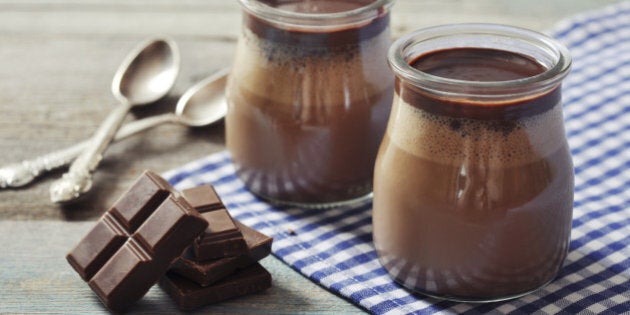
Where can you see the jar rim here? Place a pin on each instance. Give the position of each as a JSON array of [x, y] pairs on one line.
[[317, 21], [551, 77]]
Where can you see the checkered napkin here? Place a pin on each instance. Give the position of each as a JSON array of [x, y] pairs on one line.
[[334, 248]]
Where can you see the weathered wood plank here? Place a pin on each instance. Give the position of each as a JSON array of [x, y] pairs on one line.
[[220, 20], [35, 278]]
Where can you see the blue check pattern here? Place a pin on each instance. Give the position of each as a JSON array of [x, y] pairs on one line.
[[334, 248]]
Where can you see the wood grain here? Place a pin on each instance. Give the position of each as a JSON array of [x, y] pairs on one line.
[[57, 59], [37, 280]]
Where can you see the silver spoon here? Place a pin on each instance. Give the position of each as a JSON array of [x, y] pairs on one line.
[[201, 105], [146, 75]]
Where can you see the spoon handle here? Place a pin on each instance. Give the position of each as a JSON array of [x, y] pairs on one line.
[[20, 174], [78, 179]]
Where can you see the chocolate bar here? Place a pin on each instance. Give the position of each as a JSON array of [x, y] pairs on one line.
[[136, 241], [114, 228], [206, 273], [203, 198], [221, 239], [188, 295]]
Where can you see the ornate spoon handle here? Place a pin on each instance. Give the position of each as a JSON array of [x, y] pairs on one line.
[[20, 174], [78, 179]]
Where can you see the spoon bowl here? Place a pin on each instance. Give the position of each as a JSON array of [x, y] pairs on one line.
[[147, 74], [204, 103]]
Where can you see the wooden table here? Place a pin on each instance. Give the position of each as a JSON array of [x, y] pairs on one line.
[[57, 59]]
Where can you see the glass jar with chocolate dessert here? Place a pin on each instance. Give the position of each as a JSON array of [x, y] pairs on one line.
[[473, 184], [309, 96]]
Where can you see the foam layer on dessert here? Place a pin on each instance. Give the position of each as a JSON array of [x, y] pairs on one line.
[[488, 143], [311, 77]]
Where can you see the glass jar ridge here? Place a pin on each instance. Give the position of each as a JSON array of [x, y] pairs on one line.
[[317, 21], [554, 56]]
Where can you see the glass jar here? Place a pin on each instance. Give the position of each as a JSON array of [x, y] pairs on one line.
[[473, 184], [309, 96]]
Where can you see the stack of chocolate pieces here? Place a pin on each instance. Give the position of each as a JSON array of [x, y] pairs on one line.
[[151, 228], [222, 262]]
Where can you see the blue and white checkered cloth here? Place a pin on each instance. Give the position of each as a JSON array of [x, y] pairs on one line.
[[334, 248]]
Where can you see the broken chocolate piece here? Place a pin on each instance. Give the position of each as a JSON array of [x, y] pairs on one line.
[[206, 273], [189, 295], [203, 198], [136, 241], [221, 239]]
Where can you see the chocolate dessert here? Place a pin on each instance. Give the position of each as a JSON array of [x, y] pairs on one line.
[[473, 197], [308, 106]]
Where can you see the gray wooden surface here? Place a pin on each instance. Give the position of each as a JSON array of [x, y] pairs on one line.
[[57, 59], [34, 276]]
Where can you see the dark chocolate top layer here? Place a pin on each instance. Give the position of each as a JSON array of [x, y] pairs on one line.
[[317, 6], [342, 36], [478, 65]]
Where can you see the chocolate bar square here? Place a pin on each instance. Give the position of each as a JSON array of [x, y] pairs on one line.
[[221, 239], [203, 198], [136, 241], [206, 273], [118, 223]]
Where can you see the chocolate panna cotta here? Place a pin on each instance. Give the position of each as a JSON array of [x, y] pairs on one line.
[[146, 231], [308, 106], [472, 195]]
